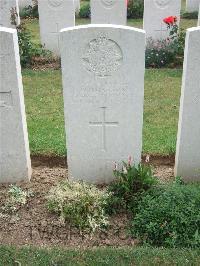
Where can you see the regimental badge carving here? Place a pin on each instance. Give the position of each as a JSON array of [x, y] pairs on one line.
[[108, 3], [55, 3], [162, 3], [103, 56]]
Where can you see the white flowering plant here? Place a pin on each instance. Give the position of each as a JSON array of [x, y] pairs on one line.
[[79, 204], [16, 198], [159, 54]]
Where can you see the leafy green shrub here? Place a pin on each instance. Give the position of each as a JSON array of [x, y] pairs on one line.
[[30, 11], [27, 49], [130, 182], [79, 204], [84, 10], [135, 9], [190, 15], [169, 216]]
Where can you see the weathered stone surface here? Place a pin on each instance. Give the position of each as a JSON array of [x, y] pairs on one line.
[[192, 5], [108, 12], [54, 15], [154, 13], [9, 13], [103, 83], [14, 148], [188, 144]]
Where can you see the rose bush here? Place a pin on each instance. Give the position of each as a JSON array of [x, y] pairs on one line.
[[170, 51]]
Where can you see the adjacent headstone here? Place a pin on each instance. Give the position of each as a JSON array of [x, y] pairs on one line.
[[103, 98], [77, 6], [154, 13], [187, 162], [14, 148], [54, 15], [25, 3], [109, 12], [192, 5], [9, 13]]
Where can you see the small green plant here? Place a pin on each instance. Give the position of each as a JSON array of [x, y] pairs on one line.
[[169, 216], [29, 12], [17, 194], [16, 198], [190, 15], [85, 10], [79, 204], [135, 9], [130, 182]]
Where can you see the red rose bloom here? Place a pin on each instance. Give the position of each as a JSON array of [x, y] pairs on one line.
[[170, 20]]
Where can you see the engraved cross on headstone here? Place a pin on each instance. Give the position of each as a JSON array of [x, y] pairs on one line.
[[103, 124], [57, 35], [163, 29]]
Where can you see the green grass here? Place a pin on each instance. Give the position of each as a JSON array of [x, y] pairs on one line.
[[161, 107], [97, 257], [44, 107], [33, 25]]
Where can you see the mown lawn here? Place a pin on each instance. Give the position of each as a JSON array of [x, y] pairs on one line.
[[33, 25], [44, 108], [98, 257]]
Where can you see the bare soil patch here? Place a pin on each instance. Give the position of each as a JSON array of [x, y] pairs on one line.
[[34, 225]]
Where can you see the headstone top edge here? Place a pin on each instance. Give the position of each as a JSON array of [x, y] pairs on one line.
[[106, 26], [8, 30], [193, 29]]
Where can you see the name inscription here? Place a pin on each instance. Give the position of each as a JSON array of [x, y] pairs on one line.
[[98, 94]]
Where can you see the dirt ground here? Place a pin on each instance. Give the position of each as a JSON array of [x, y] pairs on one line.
[[32, 224]]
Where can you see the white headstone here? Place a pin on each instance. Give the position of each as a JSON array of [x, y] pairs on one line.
[[103, 83], [77, 6], [108, 12], [14, 148], [192, 5], [9, 13], [24, 3], [54, 15], [188, 140], [154, 13]]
